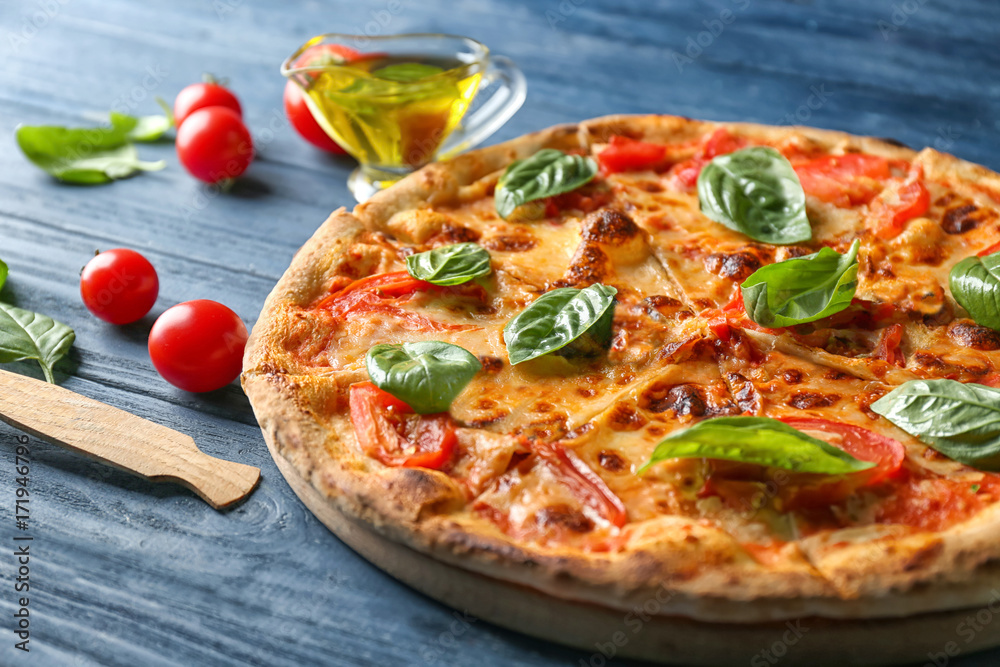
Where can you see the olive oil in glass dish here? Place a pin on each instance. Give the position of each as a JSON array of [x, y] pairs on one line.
[[396, 103]]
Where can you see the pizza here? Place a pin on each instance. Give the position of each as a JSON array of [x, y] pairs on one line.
[[752, 366]]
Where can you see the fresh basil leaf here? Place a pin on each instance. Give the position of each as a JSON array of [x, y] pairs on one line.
[[975, 284], [760, 440], [84, 156], [962, 421], [141, 128], [755, 191], [28, 335], [568, 321], [547, 173], [3, 273], [427, 376], [450, 265], [406, 72], [803, 289]]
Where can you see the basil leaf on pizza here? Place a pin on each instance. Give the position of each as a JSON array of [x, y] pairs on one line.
[[759, 440], [547, 173], [450, 265], [962, 421], [568, 321], [975, 284], [426, 375], [755, 191], [803, 289]]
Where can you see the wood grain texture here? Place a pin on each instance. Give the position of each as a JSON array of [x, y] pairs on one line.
[[107, 434], [132, 573]]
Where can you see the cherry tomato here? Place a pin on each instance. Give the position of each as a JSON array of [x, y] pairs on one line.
[[894, 209], [119, 286], [304, 123], [202, 95], [886, 453], [843, 180], [387, 429], [214, 145], [584, 483], [296, 107], [624, 154], [383, 292], [888, 344], [198, 345], [718, 143]]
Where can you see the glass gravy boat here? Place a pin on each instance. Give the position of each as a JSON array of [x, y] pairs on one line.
[[397, 102]]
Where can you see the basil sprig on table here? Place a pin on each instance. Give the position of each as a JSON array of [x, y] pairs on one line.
[[962, 421], [28, 335], [547, 173], [427, 376], [975, 284], [759, 440], [755, 191], [450, 265], [802, 289], [90, 156], [567, 321]]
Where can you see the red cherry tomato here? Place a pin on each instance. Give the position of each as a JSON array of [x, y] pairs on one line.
[[886, 453], [894, 209], [844, 180], [388, 430], [303, 121], [203, 95], [296, 107], [119, 286], [198, 345], [214, 145], [624, 154]]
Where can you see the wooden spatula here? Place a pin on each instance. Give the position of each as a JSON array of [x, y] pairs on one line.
[[121, 439]]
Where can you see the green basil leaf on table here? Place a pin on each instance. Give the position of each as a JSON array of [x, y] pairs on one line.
[[975, 284], [141, 128], [547, 173], [759, 440], [3, 273], [81, 156], [755, 191], [962, 421], [568, 321], [450, 265], [406, 72], [803, 289], [90, 156], [28, 335], [427, 376]]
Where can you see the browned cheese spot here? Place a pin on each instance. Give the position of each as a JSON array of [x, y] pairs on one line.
[[968, 334], [682, 399], [624, 417], [520, 241], [735, 266], [491, 364], [564, 516], [962, 218], [805, 400], [611, 460]]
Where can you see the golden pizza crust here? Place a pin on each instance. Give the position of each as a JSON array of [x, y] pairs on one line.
[[709, 576]]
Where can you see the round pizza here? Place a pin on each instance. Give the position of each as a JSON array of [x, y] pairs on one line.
[[750, 366]]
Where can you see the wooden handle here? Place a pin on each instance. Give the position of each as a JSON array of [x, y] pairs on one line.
[[121, 439]]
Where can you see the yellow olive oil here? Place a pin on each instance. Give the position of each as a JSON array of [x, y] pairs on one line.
[[392, 111]]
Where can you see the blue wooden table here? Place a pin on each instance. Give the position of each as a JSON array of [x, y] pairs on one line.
[[128, 573]]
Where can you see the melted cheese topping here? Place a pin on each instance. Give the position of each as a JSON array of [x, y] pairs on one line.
[[667, 367]]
